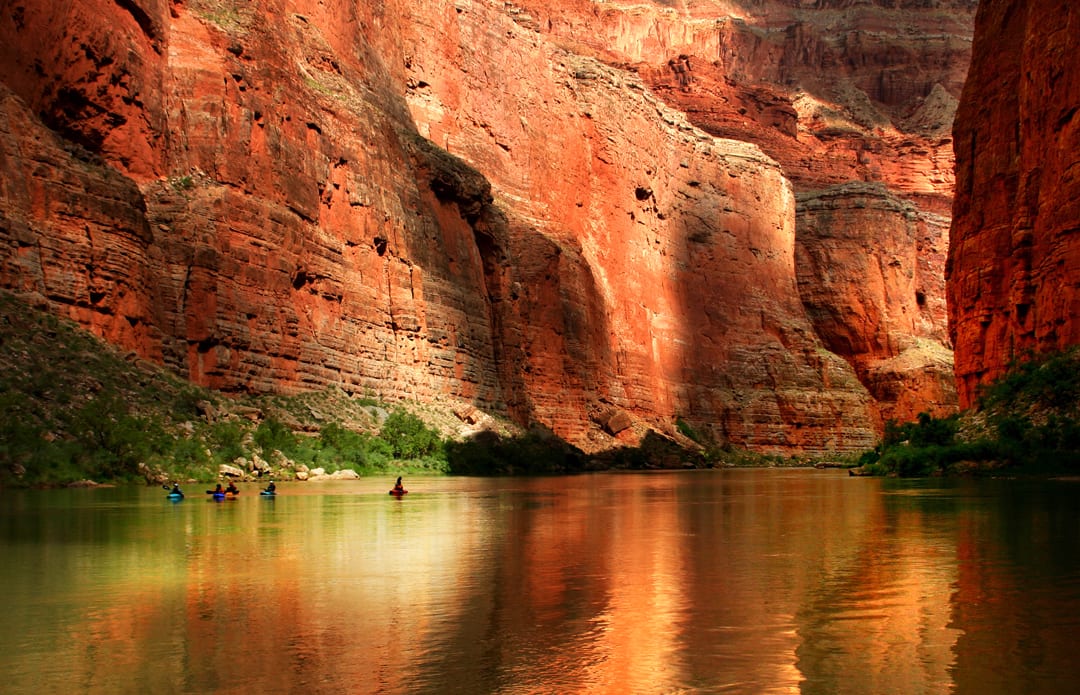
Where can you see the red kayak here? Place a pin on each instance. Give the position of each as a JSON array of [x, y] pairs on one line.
[[399, 493]]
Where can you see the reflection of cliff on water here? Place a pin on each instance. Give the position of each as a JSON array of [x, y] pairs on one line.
[[659, 585], [735, 580], [1017, 590], [878, 618]]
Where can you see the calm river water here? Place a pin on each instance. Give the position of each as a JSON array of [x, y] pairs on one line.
[[740, 581]]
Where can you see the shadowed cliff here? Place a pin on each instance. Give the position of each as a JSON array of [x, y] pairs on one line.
[[1014, 255]]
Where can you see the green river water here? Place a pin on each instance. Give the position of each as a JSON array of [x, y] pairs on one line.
[[736, 581]]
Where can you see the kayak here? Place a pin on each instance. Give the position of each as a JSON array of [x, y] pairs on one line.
[[399, 493], [267, 493], [218, 495], [175, 495]]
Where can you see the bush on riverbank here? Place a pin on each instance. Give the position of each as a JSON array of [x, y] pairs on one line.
[[74, 408], [1027, 421], [536, 452]]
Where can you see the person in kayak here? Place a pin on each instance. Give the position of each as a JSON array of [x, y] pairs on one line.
[[398, 487], [176, 489], [232, 488], [218, 490], [271, 487]]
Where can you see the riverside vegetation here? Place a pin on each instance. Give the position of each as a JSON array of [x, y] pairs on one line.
[[73, 408], [1027, 422]]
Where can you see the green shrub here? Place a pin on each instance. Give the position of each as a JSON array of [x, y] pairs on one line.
[[1031, 422], [687, 430], [226, 440], [185, 405], [916, 449], [357, 450], [1035, 409], [379, 452], [114, 442], [1050, 381], [926, 431], [410, 438], [272, 435], [306, 451], [533, 453], [188, 452], [55, 462], [334, 436]]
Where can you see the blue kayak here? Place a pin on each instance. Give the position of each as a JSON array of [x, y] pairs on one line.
[[175, 495], [267, 493]]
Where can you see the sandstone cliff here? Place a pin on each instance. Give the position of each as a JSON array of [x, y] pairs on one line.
[[460, 202], [1014, 257], [836, 92]]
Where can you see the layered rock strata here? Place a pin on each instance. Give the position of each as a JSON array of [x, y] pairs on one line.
[[428, 200], [868, 267], [836, 93], [1014, 256]]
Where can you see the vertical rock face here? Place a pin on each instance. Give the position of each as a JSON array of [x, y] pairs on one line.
[[296, 230], [1014, 257], [872, 285], [836, 93], [462, 202], [74, 230], [667, 278]]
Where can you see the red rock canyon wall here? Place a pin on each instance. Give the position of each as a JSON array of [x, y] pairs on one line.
[[1014, 258], [836, 93], [460, 202]]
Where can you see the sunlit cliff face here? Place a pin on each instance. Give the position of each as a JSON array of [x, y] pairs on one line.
[[837, 93], [552, 211]]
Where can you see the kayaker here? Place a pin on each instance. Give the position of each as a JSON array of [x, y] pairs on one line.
[[398, 487], [176, 489], [271, 487], [232, 488], [218, 490]]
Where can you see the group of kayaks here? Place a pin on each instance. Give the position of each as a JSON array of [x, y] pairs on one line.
[[220, 495]]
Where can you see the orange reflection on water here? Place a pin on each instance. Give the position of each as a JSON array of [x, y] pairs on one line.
[[751, 581], [646, 598], [879, 619]]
